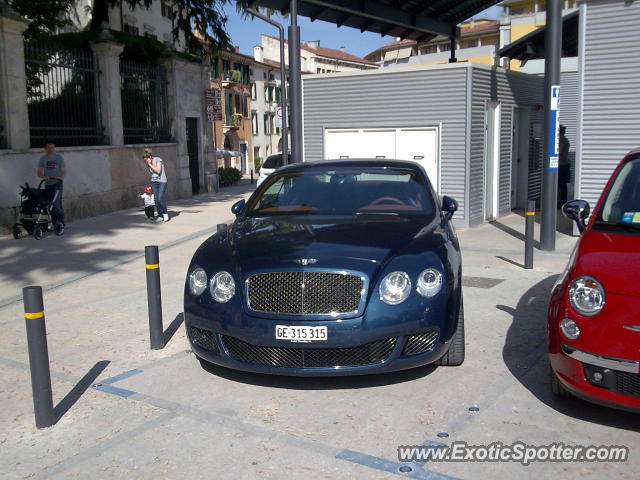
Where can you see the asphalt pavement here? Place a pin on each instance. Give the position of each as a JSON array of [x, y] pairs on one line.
[[126, 411]]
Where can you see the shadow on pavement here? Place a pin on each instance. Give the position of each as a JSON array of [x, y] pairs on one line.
[[514, 233], [76, 392], [505, 259], [525, 350], [172, 328], [319, 383], [81, 249]]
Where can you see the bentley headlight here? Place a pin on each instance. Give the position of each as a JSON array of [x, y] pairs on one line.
[[429, 282], [586, 295], [222, 287], [395, 288], [197, 281]]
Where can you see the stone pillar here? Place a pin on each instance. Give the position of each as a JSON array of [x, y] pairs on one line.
[[175, 68], [14, 116], [107, 53]]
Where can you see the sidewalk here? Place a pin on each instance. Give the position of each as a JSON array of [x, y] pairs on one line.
[[97, 244], [123, 410]]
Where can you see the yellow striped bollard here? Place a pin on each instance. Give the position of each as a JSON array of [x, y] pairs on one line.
[[38, 356], [154, 298]]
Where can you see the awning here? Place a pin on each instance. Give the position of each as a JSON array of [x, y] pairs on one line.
[[419, 20], [532, 45], [393, 55], [221, 153]]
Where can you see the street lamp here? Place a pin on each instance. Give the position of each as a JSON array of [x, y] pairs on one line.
[[283, 80]]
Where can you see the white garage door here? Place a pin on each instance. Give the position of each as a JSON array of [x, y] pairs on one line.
[[418, 144]]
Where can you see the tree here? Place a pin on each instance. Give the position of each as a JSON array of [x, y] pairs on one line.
[[46, 16], [200, 22]]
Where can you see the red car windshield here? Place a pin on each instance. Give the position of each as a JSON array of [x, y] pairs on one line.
[[621, 207], [345, 191]]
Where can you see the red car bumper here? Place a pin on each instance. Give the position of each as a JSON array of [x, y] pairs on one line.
[[600, 366]]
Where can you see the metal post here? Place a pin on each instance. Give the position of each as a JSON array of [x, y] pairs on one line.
[[154, 298], [452, 57], [283, 80], [553, 54], [38, 356], [296, 85], [530, 218], [252, 176]]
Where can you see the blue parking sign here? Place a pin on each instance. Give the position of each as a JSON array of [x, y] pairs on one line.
[[554, 128]]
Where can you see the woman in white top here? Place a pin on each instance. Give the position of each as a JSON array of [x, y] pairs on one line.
[[158, 183]]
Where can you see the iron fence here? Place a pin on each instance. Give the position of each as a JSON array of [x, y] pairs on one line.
[[145, 116], [62, 95]]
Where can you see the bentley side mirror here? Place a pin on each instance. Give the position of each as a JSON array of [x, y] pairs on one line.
[[578, 211], [449, 207], [237, 207]]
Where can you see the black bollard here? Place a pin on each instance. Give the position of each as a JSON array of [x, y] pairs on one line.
[[252, 175], [530, 217], [38, 356], [154, 298]]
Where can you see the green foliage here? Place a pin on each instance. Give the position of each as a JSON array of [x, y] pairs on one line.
[[228, 176], [235, 76], [257, 163], [201, 23], [45, 16]]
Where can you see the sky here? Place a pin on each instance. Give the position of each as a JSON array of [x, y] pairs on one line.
[[246, 33]]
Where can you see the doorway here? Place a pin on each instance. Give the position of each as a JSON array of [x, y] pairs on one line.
[[192, 153], [243, 157], [520, 158], [492, 160]]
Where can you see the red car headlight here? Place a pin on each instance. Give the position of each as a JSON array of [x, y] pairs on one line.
[[586, 295]]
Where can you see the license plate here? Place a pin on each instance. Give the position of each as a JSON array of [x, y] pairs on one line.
[[301, 333]]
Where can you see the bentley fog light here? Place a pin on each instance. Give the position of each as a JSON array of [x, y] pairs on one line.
[[198, 281], [429, 282], [222, 287], [586, 295], [569, 328], [395, 288]]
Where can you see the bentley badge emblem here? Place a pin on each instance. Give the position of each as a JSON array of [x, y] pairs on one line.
[[306, 261]]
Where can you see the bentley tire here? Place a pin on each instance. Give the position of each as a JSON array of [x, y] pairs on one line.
[[455, 355]]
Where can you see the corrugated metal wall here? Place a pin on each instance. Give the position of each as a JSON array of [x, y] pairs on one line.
[[510, 89], [403, 98], [569, 112], [611, 97]]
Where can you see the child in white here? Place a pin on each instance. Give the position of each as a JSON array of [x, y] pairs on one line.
[[149, 202]]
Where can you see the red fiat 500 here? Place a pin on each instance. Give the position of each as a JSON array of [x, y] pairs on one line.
[[594, 313]]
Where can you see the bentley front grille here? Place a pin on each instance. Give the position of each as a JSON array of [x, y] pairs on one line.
[[204, 339], [421, 342], [305, 293], [290, 357]]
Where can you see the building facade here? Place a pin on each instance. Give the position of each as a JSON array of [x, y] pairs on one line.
[[156, 21], [478, 43], [251, 93]]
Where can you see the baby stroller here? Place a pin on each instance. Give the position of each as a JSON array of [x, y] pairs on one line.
[[35, 212]]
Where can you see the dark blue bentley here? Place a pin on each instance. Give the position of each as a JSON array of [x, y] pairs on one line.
[[331, 268]]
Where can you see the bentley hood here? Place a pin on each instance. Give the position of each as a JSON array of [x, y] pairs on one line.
[[329, 242]]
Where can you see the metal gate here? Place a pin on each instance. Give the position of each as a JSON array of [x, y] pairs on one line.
[[192, 152]]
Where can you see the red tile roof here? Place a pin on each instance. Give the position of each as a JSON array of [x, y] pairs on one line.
[[331, 53]]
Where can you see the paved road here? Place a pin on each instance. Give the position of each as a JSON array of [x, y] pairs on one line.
[[128, 412]]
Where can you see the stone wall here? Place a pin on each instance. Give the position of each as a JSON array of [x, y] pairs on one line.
[[99, 179]]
